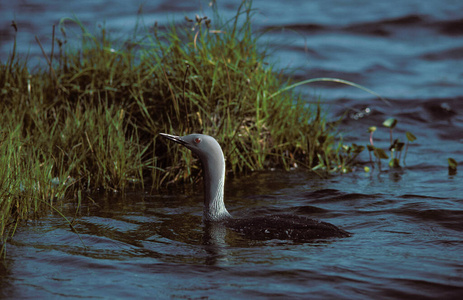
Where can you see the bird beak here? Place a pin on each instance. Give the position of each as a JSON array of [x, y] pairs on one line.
[[173, 138]]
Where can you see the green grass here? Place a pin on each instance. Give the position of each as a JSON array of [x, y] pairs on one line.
[[91, 118]]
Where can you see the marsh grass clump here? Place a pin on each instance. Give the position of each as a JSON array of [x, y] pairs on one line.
[[91, 117], [28, 181], [212, 78]]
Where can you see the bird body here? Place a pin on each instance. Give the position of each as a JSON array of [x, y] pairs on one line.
[[283, 226]]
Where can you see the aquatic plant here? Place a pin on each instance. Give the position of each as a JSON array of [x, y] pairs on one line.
[[410, 138], [396, 146], [378, 152], [452, 166]]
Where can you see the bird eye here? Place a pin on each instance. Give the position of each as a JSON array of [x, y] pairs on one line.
[[197, 140]]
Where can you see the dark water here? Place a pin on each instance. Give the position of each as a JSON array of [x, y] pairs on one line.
[[407, 224]]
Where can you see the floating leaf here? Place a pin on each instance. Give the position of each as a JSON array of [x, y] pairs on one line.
[[452, 166], [357, 149], [354, 148], [380, 153], [390, 123], [452, 163], [367, 169], [397, 145], [410, 136], [371, 148]]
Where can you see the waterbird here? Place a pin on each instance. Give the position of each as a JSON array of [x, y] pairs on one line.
[[280, 226]]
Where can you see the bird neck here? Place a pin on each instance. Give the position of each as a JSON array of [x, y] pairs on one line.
[[214, 180]]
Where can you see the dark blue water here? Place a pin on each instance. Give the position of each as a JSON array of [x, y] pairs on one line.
[[407, 224]]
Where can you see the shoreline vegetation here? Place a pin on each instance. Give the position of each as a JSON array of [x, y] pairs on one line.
[[90, 119]]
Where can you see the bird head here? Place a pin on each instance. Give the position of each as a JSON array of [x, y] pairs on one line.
[[204, 146]]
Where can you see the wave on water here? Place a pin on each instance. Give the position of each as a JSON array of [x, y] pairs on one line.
[[382, 28]]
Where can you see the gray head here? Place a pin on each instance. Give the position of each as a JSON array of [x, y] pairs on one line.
[[204, 146], [210, 153]]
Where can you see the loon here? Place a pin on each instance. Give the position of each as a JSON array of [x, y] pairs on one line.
[[280, 226]]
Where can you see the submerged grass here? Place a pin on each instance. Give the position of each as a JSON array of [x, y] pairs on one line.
[[91, 118]]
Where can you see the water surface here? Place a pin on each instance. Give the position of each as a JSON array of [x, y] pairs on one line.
[[407, 224]]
